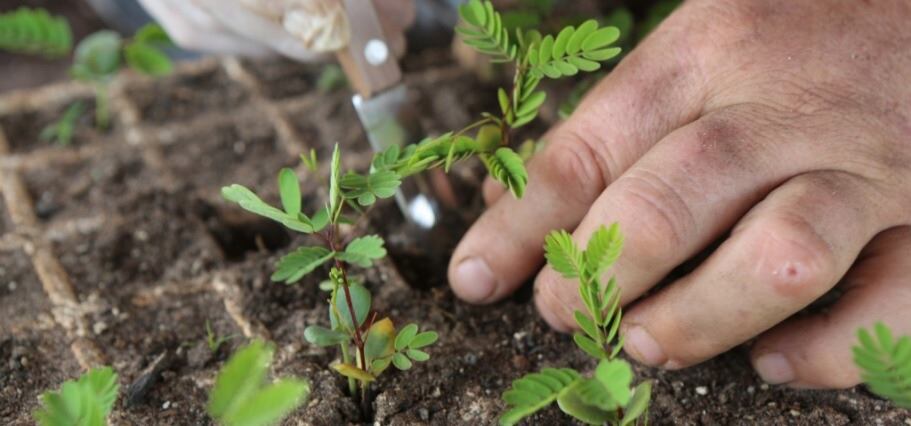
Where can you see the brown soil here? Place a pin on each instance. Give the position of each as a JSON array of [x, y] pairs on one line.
[[148, 253]]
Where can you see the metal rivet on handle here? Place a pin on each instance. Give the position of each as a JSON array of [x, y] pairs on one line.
[[376, 52]]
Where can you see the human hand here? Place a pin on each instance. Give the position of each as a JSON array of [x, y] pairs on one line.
[[787, 124], [300, 29]]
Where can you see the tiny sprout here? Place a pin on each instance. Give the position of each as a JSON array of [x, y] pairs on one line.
[[213, 340], [243, 397], [86, 401]]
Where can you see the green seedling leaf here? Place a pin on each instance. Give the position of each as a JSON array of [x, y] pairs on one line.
[[323, 337], [147, 59], [401, 362], [295, 265], [62, 130], [589, 346], [592, 392], [363, 251], [310, 162], [353, 372], [154, 35], [417, 355], [379, 342], [616, 376], [335, 193], [603, 249], [250, 202], [587, 325], [270, 404], [638, 403], [534, 392], [508, 168], [885, 363], [360, 298], [571, 402], [563, 255], [240, 378], [97, 56], [406, 336], [35, 31], [86, 401], [289, 188], [423, 339]]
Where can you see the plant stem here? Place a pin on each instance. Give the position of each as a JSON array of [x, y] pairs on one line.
[[358, 340], [346, 358], [102, 111]]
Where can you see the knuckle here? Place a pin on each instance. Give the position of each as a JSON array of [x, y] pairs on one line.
[[658, 212], [792, 258], [577, 162]]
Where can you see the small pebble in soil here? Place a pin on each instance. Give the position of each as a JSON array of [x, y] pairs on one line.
[[167, 404], [908, 421], [751, 390], [795, 413], [12, 286], [470, 359], [520, 362], [702, 390], [764, 386], [423, 413]]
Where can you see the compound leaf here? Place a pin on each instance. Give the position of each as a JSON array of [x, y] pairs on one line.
[[363, 251], [508, 168], [293, 266], [534, 392], [406, 336], [603, 249], [885, 363], [563, 255]]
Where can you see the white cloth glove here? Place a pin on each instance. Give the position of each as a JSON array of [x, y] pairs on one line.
[[304, 30]]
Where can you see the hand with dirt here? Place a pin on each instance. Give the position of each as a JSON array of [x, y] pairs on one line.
[[782, 130], [304, 30]]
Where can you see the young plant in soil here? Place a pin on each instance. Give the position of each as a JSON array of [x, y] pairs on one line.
[[241, 396], [86, 401], [885, 363], [101, 55], [368, 345], [608, 396], [98, 58]]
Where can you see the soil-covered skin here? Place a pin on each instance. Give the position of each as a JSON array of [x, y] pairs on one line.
[[153, 261]]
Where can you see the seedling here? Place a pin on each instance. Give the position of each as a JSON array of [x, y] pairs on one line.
[[885, 363], [101, 55], [213, 340], [97, 59], [86, 401], [369, 343], [62, 130], [241, 396], [608, 396]]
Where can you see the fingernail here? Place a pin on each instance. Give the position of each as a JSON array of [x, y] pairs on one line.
[[644, 347], [474, 280], [774, 368]]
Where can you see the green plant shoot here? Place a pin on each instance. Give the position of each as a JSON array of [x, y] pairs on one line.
[[368, 344], [101, 55], [608, 396], [86, 401], [242, 396], [885, 363]]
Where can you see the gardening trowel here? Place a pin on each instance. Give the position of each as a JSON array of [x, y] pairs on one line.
[[385, 111]]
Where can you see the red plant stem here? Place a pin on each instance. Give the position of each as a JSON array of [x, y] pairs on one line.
[[358, 340]]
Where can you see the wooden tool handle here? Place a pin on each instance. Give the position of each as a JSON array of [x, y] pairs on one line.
[[368, 59]]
